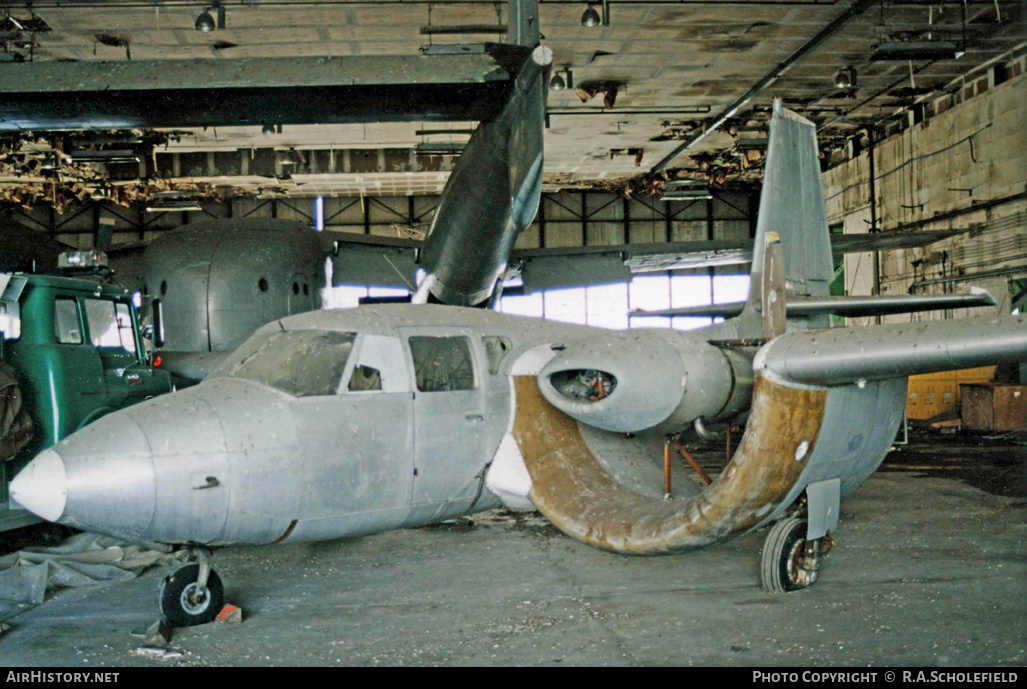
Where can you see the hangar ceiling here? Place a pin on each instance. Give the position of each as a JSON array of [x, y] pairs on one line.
[[668, 88]]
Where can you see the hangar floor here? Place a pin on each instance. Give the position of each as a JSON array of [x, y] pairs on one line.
[[930, 570]]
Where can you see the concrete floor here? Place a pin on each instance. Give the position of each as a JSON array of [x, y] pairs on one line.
[[930, 570]]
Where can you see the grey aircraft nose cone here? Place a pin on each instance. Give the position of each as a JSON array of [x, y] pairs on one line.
[[42, 486]]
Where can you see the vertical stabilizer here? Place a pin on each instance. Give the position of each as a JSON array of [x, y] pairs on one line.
[[792, 207]]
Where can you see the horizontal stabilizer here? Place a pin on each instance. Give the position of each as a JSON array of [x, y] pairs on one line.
[[843, 306], [845, 355]]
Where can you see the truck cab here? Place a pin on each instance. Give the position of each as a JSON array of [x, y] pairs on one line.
[[75, 345]]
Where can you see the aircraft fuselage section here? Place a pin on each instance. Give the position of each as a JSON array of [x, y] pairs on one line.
[[341, 423], [217, 281]]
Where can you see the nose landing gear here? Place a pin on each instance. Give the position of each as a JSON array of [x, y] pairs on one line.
[[192, 595]]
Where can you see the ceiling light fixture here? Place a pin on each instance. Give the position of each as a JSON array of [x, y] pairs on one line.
[[559, 83], [590, 17], [205, 22], [845, 78]]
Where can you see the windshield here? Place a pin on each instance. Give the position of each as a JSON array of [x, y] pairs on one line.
[[297, 362]]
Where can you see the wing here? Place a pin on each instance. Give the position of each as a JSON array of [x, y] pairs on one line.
[[548, 268], [844, 306]]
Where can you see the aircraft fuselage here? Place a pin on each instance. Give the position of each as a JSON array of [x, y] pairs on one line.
[[337, 423]]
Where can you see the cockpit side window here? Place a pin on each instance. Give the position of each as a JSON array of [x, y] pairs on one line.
[[380, 365], [442, 363], [297, 362], [365, 378], [496, 349]]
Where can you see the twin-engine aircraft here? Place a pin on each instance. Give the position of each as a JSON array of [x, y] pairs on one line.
[[333, 424]]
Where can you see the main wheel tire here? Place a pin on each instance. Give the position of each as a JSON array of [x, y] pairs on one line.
[[784, 563], [181, 602]]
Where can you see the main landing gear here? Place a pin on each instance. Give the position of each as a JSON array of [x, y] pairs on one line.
[[789, 562], [192, 595]]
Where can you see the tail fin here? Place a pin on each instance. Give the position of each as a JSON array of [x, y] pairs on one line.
[[792, 207]]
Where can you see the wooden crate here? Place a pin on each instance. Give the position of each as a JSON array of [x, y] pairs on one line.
[[993, 406]]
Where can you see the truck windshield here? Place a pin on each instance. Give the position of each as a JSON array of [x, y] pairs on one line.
[[297, 362]]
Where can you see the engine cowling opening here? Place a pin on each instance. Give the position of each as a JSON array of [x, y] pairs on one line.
[[584, 385]]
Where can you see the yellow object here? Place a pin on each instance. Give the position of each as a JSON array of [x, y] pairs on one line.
[[936, 393]]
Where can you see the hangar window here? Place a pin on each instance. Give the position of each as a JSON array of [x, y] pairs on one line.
[[66, 324], [612, 306], [442, 363], [298, 362], [351, 296]]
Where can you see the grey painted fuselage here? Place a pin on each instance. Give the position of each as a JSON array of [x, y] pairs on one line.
[[412, 421]]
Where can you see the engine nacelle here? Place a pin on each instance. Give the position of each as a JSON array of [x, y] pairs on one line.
[[641, 379]]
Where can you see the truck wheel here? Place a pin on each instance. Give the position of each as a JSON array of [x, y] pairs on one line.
[[15, 425], [184, 604]]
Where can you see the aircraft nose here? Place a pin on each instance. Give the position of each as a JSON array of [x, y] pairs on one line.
[[100, 478], [42, 486]]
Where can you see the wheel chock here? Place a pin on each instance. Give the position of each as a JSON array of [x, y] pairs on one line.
[[229, 614]]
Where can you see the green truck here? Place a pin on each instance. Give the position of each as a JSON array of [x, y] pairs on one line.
[[71, 351]]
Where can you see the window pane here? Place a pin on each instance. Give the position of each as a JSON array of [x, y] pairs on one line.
[[691, 322], [522, 304], [297, 362], [125, 327], [66, 325], [730, 288], [442, 363], [566, 305], [690, 290], [365, 378], [608, 306], [650, 293], [496, 349], [387, 292], [343, 296], [108, 327]]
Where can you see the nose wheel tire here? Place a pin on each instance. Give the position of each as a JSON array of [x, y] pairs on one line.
[[184, 603], [789, 562]]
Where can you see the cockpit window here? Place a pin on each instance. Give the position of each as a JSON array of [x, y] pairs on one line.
[[442, 363], [297, 362]]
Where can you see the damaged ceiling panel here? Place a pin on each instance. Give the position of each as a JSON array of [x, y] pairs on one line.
[[333, 98]]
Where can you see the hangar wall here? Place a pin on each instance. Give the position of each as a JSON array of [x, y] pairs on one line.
[[565, 219], [958, 162]]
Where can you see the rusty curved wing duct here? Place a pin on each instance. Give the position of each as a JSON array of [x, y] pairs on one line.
[[826, 406], [584, 500]]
